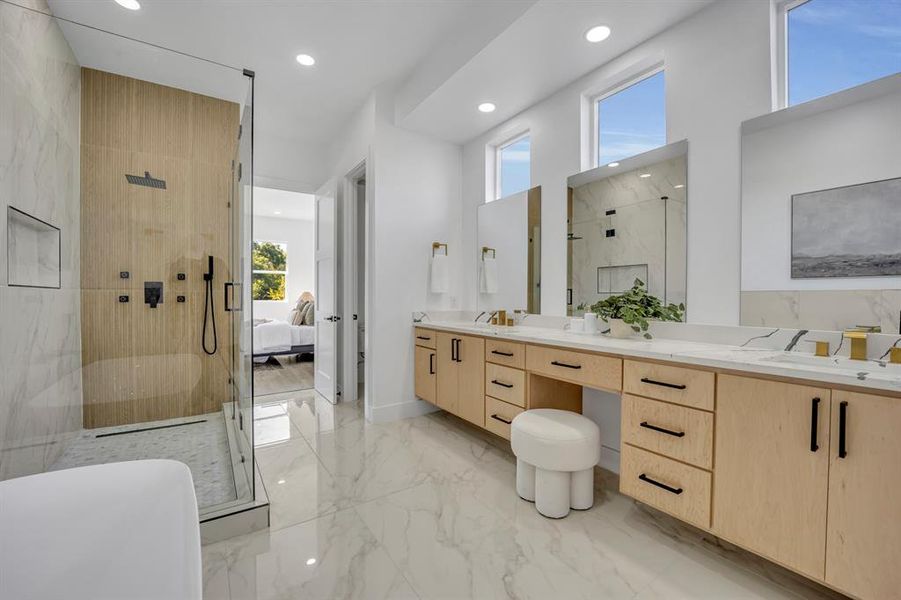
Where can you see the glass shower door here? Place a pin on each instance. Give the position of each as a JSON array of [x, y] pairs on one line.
[[237, 292]]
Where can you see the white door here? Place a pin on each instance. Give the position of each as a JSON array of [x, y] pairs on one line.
[[326, 291]]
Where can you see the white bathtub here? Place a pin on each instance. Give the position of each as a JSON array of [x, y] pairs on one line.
[[117, 531]]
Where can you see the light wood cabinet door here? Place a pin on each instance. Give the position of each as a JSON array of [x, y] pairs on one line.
[[770, 484], [864, 534], [448, 386], [425, 374], [471, 384]]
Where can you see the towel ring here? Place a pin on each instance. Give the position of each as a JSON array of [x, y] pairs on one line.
[[437, 246], [486, 250]]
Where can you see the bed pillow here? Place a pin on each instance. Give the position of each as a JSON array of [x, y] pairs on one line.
[[308, 315], [297, 314]]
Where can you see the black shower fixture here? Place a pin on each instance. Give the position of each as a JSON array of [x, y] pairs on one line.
[[147, 181]]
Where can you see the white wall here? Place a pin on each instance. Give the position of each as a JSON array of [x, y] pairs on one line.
[[413, 195], [850, 144], [717, 66], [298, 235]]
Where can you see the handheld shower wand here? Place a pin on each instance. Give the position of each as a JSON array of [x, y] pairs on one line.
[[209, 311]]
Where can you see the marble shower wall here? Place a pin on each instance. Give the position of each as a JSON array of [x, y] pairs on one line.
[[649, 233], [40, 354]]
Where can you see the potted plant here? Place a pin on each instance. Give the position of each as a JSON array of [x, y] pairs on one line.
[[629, 313]]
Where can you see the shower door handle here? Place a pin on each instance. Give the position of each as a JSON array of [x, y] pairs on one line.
[[231, 285]]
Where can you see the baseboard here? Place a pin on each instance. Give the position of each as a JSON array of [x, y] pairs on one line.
[[609, 459], [401, 410]]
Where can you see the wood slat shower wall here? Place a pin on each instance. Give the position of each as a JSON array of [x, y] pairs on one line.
[[143, 364]]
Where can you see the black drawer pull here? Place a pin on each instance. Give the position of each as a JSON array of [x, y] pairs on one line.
[[502, 384], [501, 419], [672, 490], [842, 429], [647, 425], [814, 423], [499, 353], [423, 337], [431, 364], [557, 363], [675, 386]]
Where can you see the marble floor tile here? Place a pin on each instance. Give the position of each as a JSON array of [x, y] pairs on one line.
[[298, 485], [334, 556], [427, 507]]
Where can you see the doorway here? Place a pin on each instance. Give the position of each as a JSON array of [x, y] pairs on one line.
[[353, 285]]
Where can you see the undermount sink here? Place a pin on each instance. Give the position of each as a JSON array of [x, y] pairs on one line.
[[837, 363]]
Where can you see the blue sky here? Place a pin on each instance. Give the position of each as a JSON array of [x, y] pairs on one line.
[[515, 167], [837, 44], [632, 121]]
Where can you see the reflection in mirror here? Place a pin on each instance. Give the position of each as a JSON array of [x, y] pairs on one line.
[[509, 253], [625, 223], [821, 213]]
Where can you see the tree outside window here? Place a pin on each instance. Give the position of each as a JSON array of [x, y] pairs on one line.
[[270, 268]]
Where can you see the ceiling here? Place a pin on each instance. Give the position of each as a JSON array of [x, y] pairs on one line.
[[442, 56], [279, 204]]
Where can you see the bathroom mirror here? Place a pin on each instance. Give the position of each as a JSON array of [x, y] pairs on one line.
[[627, 221], [509, 253], [821, 213]]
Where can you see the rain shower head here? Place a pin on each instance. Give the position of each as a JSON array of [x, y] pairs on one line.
[[146, 181]]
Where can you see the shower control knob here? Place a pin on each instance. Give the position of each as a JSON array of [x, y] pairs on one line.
[[123, 275]]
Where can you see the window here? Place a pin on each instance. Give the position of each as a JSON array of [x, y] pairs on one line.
[[832, 45], [514, 166], [632, 120], [270, 267]]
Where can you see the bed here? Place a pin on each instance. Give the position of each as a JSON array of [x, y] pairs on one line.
[[279, 338]]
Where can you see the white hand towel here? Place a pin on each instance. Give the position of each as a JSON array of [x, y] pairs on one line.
[[489, 283], [440, 274]]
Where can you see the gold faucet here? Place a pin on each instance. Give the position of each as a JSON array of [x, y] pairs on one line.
[[858, 337]]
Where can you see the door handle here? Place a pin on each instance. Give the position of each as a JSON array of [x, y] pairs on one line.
[[675, 386], [647, 425], [814, 422], [431, 364], [842, 429], [229, 285], [457, 346], [453, 343], [672, 490]]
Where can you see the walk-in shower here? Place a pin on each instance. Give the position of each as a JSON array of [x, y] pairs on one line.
[[147, 196]]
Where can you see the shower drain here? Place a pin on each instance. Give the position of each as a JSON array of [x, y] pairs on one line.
[[103, 435]]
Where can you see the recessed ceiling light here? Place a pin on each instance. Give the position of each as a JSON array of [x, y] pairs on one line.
[[311, 562], [129, 4], [645, 175], [281, 481], [679, 186], [276, 212], [306, 60], [597, 34], [486, 107], [613, 164]]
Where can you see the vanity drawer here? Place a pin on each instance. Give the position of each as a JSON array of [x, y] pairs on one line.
[[592, 370], [509, 354], [499, 415], [506, 384], [426, 338], [678, 385], [663, 483], [678, 432]]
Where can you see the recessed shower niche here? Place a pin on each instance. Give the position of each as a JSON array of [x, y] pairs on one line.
[[32, 251]]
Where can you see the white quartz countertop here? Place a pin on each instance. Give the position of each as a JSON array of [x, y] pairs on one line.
[[869, 374]]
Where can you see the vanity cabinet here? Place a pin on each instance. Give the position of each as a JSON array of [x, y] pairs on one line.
[[772, 469], [461, 376], [425, 377], [863, 543]]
